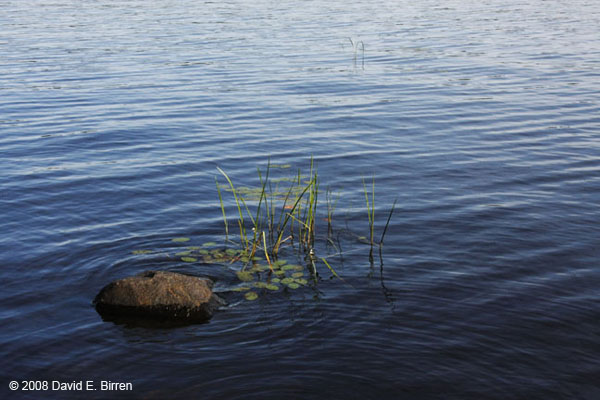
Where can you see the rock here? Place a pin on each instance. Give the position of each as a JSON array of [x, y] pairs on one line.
[[159, 295]]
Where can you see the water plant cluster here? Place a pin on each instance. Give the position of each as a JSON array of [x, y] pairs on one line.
[[281, 213], [269, 217], [278, 217], [253, 275]]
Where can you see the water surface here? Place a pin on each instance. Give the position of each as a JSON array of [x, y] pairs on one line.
[[481, 118]]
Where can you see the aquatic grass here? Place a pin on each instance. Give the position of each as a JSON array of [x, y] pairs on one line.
[[290, 215], [241, 224], [270, 217], [222, 210], [330, 211], [266, 235], [355, 47], [387, 223], [370, 209], [330, 268]]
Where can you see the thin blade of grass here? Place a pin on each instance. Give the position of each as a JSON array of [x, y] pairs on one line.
[[266, 250], [237, 201], [222, 210], [388, 222], [330, 268]]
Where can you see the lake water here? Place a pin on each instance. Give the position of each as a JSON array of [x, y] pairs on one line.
[[482, 118]]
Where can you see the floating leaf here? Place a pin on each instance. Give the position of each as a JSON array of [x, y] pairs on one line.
[[275, 280], [260, 285], [180, 239], [279, 263], [142, 251], [301, 281], [287, 267], [203, 251], [194, 247], [240, 289], [251, 296], [209, 244], [298, 268], [218, 256], [297, 274], [260, 268], [287, 281], [293, 285], [231, 252], [245, 276], [184, 253], [189, 259], [279, 273], [272, 287]]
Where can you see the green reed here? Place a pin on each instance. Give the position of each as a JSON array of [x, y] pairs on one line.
[[294, 221]]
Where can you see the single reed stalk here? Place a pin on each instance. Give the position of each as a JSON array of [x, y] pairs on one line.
[[244, 239], [222, 210], [370, 209], [330, 268], [272, 215], [257, 223], [330, 211], [314, 199], [387, 223], [266, 250], [283, 208]]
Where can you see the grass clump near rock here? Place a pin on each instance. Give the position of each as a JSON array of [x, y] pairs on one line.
[[273, 221]]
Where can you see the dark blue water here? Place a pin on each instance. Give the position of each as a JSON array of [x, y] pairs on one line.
[[481, 118]]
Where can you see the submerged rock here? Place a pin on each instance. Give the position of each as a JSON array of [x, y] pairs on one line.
[[159, 295]]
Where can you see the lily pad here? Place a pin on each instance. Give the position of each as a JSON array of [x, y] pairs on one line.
[[245, 276], [142, 251], [231, 252], [260, 285], [272, 287], [194, 247], [189, 259], [301, 281], [209, 244], [275, 280], [180, 239], [287, 267], [279, 263], [279, 273], [293, 285], [251, 296], [297, 274], [240, 289], [287, 281], [259, 268], [184, 253], [203, 251]]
